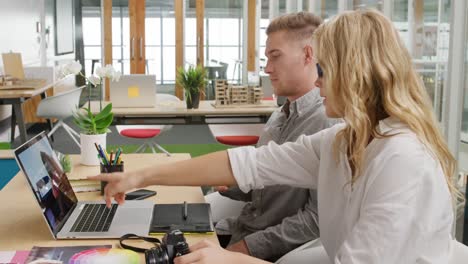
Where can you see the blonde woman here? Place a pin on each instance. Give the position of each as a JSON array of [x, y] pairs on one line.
[[383, 177]]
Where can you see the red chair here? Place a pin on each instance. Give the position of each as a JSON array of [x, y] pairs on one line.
[[150, 131], [237, 134], [145, 132]]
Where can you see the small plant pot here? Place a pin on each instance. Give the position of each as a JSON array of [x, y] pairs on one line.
[[195, 102], [88, 149]]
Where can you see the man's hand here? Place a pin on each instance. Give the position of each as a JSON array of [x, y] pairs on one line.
[[240, 247], [221, 188]]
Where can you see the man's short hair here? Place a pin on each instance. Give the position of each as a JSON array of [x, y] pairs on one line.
[[300, 25]]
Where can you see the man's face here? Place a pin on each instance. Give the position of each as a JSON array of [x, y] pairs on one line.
[[286, 63]]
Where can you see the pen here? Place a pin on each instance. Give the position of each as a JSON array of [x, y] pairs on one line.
[[100, 156], [107, 155], [185, 211], [104, 157], [117, 155], [111, 156]]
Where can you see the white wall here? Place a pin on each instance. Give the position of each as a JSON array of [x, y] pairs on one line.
[[18, 33], [18, 22]]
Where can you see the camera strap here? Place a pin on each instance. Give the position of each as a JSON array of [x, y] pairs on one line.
[[153, 240]]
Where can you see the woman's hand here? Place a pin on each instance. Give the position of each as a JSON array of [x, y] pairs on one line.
[[206, 252], [117, 184]]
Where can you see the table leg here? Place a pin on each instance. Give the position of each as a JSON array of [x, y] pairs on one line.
[[20, 121], [13, 125], [49, 122]]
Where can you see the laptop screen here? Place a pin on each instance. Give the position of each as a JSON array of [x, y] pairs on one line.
[[47, 180]]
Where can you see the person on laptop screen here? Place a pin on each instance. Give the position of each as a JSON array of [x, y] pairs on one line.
[[61, 188], [53, 189]]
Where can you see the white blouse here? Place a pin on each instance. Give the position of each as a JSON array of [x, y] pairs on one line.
[[398, 210]]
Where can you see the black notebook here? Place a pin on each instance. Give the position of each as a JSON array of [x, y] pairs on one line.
[[167, 217]]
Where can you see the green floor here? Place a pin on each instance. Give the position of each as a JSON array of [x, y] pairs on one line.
[[195, 150], [9, 167], [4, 145]]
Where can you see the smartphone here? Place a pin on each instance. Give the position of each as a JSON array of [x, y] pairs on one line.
[[139, 194]]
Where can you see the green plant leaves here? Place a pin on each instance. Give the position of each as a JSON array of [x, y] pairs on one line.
[[104, 113], [192, 80], [91, 124]]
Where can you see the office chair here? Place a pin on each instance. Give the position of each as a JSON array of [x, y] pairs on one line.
[[222, 74], [61, 107], [237, 134], [144, 132], [232, 135], [149, 131]]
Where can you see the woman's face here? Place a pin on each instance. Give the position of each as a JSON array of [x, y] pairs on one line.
[[327, 101]]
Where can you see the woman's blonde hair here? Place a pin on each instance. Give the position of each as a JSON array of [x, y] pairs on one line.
[[369, 76]]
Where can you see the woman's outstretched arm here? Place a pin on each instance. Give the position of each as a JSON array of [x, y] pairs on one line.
[[212, 169]]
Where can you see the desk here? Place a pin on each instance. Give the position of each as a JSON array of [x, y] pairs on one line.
[[177, 113], [22, 225], [7, 154], [15, 98]]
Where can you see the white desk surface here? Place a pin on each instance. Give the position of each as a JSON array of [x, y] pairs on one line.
[[179, 109]]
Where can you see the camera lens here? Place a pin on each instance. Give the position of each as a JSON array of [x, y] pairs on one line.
[[156, 255]]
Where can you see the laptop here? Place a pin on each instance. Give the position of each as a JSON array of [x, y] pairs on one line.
[[66, 217], [135, 90]]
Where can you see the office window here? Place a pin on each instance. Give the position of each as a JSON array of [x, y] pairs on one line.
[[91, 39], [224, 36], [429, 47], [160, 41], [375, 4]]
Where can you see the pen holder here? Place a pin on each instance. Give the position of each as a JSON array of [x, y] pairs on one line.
[[110, 169]]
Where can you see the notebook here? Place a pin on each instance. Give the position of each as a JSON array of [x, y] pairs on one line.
[[167, 217]]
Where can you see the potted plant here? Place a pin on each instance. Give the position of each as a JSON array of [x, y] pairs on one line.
[[193, 80], [94, 126], [94, 129]]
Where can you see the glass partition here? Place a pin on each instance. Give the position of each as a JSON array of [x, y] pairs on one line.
[[424, 28], [464, 133], [464, 125]]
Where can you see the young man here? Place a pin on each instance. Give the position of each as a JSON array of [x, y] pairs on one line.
[[277, 219]]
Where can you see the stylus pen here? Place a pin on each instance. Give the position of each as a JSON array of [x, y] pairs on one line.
[[185, 210]]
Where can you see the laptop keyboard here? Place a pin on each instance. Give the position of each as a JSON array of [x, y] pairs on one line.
[[94, 218]]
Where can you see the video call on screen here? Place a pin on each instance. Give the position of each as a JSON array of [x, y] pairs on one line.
[[50, 184]]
